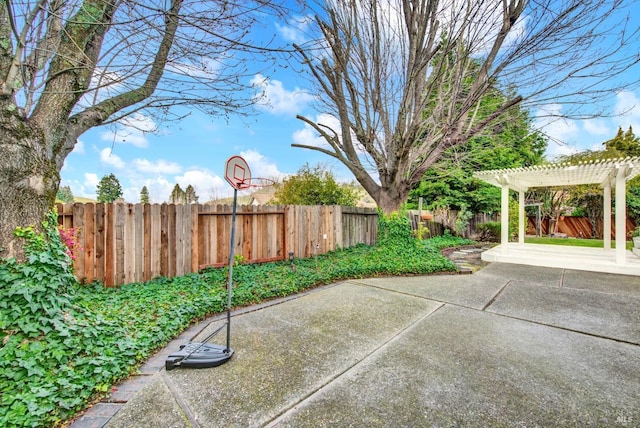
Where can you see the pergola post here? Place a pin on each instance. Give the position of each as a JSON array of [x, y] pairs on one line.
[[621, 215], [606, 221], [521, 218], [504, 218]]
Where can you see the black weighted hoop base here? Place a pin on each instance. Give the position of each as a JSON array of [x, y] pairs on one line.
[[199, 356]]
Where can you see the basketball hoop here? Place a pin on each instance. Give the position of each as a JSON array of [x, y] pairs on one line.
[[204, 354], [255, 183]]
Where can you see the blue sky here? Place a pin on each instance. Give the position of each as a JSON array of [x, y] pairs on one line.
[[195, 150]]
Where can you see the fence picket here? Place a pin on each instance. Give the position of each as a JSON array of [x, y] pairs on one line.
[[78, 222], [178, 253], [146, 249], [138, 231], [193, 241], [109, 262], [88, 244], [129, 243]]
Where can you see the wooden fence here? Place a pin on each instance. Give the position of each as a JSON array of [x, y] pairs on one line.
[[574, 227], [124, 243], [578, 227], [439, 222]]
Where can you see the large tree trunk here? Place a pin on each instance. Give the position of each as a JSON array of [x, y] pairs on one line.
[[29, 179], [389, 201], [389, 196]]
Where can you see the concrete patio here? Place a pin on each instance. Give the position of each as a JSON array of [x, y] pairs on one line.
[[510, 345]]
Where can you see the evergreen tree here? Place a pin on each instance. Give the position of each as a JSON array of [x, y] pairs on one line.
[[109, 189], [623, 144], [178, 196], [144, 195], [65, 195], [190, 195], [510, 143]]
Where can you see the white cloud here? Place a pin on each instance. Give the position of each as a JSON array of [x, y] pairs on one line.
[[104, 84], [627, 103], [260, 166], [556, 149], [203, 181], [132, 130], [158, 167], [277, 99], [91, 179], [107, 157], [159, 189], [126, 136], [79, 147], [596, 147], [205, 68], [140, 122], [88, 188], [561, 131], [295, 32], [596, 127], [308, 136], [569, 136], [483, 29]]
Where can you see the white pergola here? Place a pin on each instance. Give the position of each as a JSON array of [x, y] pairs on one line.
[[608, 173]]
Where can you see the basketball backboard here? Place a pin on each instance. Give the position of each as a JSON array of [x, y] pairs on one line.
[[237, 173]]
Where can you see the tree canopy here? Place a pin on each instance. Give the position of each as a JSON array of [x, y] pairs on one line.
[[190, 196], [179, 196], [65, 194], [588, 198], [144, 195], [623, 144], [405, 80], [109, 189], [314, 186]]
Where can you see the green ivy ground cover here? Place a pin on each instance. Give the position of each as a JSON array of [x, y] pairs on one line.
[[63, 344]]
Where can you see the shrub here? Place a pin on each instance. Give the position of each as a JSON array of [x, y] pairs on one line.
[[395, 229], [489, 231], [421, 232]]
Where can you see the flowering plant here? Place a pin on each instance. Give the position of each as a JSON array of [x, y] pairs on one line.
[[69, 238]]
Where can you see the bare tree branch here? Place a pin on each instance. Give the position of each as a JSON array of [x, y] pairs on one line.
[[406, 78], [97, 114]]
